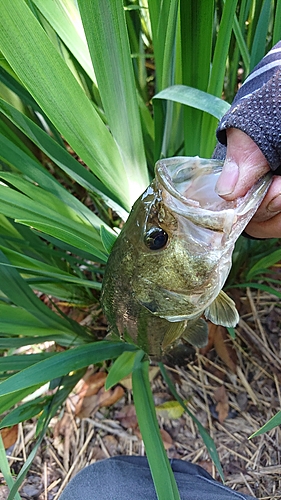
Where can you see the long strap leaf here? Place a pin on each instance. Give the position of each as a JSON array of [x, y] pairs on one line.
[[162, 474], [46, 76], [204, 434], [106, 33]]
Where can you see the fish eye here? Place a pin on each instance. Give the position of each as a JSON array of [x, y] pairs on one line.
[[155, 238]]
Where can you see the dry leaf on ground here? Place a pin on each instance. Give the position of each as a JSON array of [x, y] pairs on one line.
[[224, 348], [127, 381], [9, 436], [127, 417], [170, 409], [92, 384], [167, 439], [222, 407], [90, 404]]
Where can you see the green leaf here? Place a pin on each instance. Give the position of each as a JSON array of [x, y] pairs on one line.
[[277, 24], [9, 400], [217, 76], [16, 322], [259, 286], [60, 156], [5, 469], [62, 363], [37, 267], [63, 16], [25, 411], [231, 332], [14, 287], [163, 17], [162, 474], [36, 338], [21, 208], [20, 362], [260, 38], [275, 421], [195, 98], [263, 264], [108, 238], [32, 169], [196, 56], [106, 33], [48, 79], [204, 434], [122, 367]]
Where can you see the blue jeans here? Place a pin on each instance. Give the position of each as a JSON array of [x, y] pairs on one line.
[[129, 478]]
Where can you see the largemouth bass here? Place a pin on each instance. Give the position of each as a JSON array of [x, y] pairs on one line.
[[173, 255]]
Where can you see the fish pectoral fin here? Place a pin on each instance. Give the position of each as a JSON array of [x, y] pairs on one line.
[[222, 311], [173, 333], [196, 332]]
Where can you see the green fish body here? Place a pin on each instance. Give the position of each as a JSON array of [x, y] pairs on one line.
[[173, 255]]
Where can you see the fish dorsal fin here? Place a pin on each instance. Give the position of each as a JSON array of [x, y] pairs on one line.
[[222, 311], [196, 332]]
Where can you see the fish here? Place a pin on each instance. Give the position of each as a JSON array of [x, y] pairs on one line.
[[165, 273]]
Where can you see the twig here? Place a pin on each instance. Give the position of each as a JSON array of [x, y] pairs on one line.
[[45, 481], [271, 356], [245, 383], [247, 484], [111, 430], [68, 475], [256, 316], [22, 441]]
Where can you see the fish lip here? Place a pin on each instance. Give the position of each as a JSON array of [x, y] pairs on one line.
[[187, 186]]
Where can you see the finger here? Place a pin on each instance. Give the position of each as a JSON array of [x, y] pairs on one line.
[[244, 165], [271, 204], [267, 229]]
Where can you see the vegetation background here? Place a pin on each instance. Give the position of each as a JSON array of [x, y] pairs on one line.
[[91, 94]]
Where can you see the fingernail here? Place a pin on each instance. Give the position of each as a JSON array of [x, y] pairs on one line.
[[228, 178], [275, 204]]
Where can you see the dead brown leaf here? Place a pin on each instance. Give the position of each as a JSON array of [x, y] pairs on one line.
[[224, 348], [92, 384], [211, 336], [90, 404], [127, 417], [207, 465], [111, 444], [112, 396], [219, 339], [167, 439], [222, 407], [127, 381], [9, 436]]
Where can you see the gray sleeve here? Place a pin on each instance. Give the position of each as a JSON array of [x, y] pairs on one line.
[[256, 109]]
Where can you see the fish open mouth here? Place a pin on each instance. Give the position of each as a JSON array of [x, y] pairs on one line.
[[188, 188]]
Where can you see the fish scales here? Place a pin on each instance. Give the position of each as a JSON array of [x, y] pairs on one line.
[[173, 255]]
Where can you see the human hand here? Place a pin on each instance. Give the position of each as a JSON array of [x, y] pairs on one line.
[[244, 165]]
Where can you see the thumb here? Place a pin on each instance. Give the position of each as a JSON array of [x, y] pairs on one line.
[[243, 166]]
